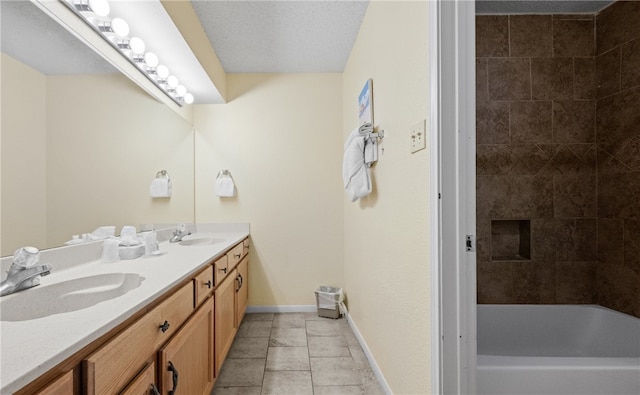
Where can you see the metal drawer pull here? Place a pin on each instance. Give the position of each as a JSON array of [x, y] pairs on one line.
[[164, 327], [154, 390], [208, 284], [237, 255], [223, 270], [241, 280], [174, 377]]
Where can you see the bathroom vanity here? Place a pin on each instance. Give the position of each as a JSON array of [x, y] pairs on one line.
[[167, 326]]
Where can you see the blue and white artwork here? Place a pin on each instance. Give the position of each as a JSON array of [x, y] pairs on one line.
[[365, 103]]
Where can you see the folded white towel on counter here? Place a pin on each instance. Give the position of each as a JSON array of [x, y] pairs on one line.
[[225, 186], [160, 187], [359, 154]]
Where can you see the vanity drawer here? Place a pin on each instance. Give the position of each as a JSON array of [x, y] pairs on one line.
[[204, 285], [110, 368], [220, 269], [235, 255], [143, 383], [245, 245], [63, 385]]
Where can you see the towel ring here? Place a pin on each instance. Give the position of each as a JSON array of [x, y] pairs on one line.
[[162, 174], [223, 173]]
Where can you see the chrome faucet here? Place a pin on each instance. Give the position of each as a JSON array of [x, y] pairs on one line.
[[180, 232], [24, 272]]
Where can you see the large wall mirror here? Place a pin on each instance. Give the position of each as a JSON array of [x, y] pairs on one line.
[[80, 142]]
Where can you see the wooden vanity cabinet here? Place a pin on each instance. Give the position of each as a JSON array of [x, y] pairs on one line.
[[242, 290], [114, 365], [220, 269], [230, 298], [186, 362], [63, 385], [145, 383], [188, 332], [225, 328], [203, 284]]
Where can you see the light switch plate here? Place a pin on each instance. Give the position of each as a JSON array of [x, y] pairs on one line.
[[417, 136]]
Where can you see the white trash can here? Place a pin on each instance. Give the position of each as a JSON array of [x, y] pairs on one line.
[[328, 300]]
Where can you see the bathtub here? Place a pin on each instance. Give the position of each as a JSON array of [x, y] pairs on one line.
[[557, 349]]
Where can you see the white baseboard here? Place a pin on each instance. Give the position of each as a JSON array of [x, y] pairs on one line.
[[374, 365], [294, 308]]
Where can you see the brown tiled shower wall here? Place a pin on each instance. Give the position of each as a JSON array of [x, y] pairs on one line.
[[558, 158]]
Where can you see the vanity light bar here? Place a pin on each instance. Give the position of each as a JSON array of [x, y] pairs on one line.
[[115, 31]]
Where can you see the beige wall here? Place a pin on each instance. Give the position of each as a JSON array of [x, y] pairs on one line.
[[386, 234], [81, 151], [280, 137], [23, 209]]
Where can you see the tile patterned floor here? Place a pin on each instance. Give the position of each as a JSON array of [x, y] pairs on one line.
[[295, 354]]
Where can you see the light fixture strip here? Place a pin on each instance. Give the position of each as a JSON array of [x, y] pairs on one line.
[[131, 48]]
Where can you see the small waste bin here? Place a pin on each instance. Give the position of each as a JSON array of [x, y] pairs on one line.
[[328, 300]]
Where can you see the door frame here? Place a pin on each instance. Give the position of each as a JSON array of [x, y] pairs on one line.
[[453, 152]]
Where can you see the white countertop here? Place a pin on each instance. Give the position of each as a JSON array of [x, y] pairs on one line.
[[31, 348]]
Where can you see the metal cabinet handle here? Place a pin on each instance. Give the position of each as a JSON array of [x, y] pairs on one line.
[[174, 377], [164, 327], [208, 284], [154, 390], [223, 270], [237, 255], [241, 280]]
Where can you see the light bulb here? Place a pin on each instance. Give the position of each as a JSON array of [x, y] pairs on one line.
[[100, 7], [172, 81], [137, 45], [181, 90], [163, 72], [119, 27], [151, 59], [188, 98]]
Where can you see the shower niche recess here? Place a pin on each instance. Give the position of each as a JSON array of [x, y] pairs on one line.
[[511, 240]]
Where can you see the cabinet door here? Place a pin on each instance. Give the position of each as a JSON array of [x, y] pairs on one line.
[[225, 317], [242, 290], [110, 368], [144, 383], [203, 285], [187, 360], [63, 385]]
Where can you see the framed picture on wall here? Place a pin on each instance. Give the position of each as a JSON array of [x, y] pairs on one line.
[[365, 103]]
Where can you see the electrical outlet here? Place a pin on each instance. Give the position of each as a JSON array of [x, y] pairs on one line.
[[417, 135]]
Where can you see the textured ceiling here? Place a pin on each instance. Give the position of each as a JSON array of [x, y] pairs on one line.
[[248, 36], [540, 6], [281, 36]]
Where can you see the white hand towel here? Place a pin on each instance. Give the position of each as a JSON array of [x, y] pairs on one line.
[[225, 187], [355, 172], [160, 187], [370, 150]]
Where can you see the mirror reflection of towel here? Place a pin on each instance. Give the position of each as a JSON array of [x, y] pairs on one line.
[[160, 187], [225, 187]]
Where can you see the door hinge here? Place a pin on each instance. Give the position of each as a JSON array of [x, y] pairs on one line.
[[471, 243]]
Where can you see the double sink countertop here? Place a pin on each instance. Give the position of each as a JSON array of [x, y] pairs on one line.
[[45, 331]]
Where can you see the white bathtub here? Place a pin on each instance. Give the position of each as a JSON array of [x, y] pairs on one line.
[[557, 349]]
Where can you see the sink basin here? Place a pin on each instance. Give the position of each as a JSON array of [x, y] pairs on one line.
[[202, 241], [67, 296]]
